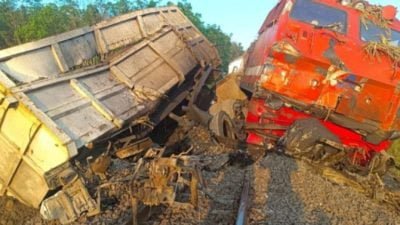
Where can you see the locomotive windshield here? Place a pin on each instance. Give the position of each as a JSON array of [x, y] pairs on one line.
[[372, 32], [320, 15]]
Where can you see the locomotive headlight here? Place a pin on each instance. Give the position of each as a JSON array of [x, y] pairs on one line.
[[284, 74], [346, 2], [357, 88], [314, 83], [368, 101]]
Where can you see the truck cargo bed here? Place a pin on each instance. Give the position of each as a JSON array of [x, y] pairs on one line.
[[62, 93]]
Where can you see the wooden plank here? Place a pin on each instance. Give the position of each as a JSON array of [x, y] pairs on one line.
[[69, 108], [180, 75], [76, 105], [32, 46], [199, 32], [59, 57], [158, 117], [102, 109], [5, 80], [101, 42], [142, 74], [129, 16], [196, 40], [49, 82], [184, 26], [200, 83], [138, 47], [121, 76], [129, 52], [142, 28]]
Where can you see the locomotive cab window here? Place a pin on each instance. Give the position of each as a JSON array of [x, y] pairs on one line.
[[372, 32], [320, 15]]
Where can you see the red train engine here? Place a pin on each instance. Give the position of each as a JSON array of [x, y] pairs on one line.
[[314, 83]]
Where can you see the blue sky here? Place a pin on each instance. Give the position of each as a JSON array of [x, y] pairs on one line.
[[243, 18], [240, 18]]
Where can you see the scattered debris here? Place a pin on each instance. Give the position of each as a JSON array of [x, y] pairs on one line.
[[70, 203], [374, 13], [376, 49], [129, 149]]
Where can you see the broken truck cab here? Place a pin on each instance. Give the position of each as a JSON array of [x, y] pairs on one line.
[[328, 60]]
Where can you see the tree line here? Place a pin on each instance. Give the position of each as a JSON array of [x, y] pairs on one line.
[[23, 21]]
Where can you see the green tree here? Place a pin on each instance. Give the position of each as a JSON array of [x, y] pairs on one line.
[[187, 9], [236, 50], [27, 20], [142, 4], [104, 8], [228, 50], [44, 22], [121, 7], [32, 4], [70, 9], [92, 15], [11, 17]]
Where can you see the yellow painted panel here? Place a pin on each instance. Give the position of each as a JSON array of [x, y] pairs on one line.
[[20, 129], [19, 126], [29, 185], [46, 151], [9, 159], [3, 90], [2, 111]]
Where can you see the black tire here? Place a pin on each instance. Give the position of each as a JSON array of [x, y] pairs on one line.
[[222, 125]]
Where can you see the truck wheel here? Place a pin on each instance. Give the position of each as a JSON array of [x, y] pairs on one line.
[[221, 125]]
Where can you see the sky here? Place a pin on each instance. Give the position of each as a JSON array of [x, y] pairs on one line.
[[241, 18]]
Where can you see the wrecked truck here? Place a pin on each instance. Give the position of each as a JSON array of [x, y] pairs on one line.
[[323, 77], [63, 96]]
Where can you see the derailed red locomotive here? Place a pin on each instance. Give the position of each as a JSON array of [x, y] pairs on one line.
[[315, 81]]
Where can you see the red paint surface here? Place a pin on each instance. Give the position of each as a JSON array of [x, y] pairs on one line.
[[287, 116], [375, 100], [379, 98]]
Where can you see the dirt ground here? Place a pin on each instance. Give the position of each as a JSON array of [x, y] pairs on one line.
[[283, 191]]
